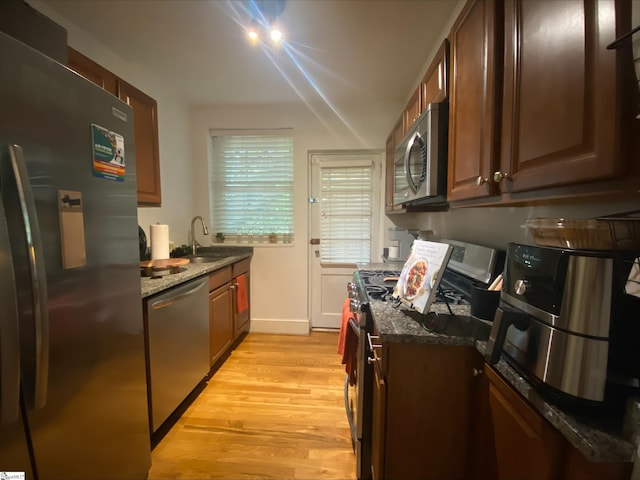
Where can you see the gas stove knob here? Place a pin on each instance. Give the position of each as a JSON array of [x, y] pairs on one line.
[[354, 305], [521, 286]]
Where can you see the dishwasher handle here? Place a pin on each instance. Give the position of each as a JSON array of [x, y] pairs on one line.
[[178, 298]]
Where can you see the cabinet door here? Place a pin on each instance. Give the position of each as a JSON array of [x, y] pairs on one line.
[[526, 446], [412, 110], [389, 174], [559, 112], [378, 429], [483, 450], [93, 72], [241, 320], [145, 110], [428, 425], [220, 321], [395, 137], [476, 43], [435, 84]]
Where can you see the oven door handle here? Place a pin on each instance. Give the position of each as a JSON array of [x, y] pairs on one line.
[[354, 326], [347, 407]]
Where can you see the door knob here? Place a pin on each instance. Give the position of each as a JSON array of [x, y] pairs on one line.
[[499, 176]]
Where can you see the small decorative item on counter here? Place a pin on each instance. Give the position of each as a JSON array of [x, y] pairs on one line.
[[220, 237], [181, 251], [273, 237]]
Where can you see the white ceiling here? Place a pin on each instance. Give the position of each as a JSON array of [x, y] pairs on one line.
[[338, 51]]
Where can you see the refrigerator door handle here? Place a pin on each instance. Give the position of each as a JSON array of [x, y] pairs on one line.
[[36, 393], [9, 334]]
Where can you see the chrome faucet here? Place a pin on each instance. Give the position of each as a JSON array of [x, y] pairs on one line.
[[205, 231]]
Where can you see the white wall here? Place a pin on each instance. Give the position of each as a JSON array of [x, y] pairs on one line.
[[175, 165], [279, 275]]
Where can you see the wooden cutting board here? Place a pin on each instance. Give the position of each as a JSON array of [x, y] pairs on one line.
[[173, 264]]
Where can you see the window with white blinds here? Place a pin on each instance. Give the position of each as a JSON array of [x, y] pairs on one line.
[[251, 184], [346, 218]]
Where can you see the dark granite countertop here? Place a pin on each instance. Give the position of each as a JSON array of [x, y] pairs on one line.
[[224, 256], [397, 323], [598, 439]]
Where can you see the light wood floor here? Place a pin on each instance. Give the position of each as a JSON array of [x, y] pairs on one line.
[[275, 409]]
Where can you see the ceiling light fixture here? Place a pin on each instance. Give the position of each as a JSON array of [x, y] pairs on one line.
[[275, 33], [264, 14], [252, 33]]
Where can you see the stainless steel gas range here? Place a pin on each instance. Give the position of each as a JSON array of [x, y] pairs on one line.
[[469, 265]]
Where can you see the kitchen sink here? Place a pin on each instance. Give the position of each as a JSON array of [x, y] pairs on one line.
[[205, 258]]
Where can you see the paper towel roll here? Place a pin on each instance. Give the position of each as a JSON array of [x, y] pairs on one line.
[[159, 241]]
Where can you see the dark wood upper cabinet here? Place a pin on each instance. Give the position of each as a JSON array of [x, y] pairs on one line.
[[412, 111], [538, 103], [93, 72], [560, 123], [435, 84], [394, 138], [474, 111], [145, 111]]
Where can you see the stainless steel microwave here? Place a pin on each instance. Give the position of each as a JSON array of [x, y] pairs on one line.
[[421, 159]]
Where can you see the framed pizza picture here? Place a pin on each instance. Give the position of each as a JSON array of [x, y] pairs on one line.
[[421, 274]]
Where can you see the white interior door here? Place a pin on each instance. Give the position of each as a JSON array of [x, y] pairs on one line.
[[344, 218]]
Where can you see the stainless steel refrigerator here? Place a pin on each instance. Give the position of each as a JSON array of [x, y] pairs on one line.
[[72, 364]]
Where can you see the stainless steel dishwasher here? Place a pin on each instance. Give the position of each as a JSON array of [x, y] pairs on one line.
[[178, 345]]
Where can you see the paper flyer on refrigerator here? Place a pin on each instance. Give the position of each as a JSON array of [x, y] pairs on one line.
[[421, 274]]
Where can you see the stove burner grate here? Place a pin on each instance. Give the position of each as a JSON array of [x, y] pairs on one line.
[[378, 292]]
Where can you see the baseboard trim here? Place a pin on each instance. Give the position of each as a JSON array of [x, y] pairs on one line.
[[287, 327]]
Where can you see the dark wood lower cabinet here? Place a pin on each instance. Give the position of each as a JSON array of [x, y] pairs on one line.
[[220, 313], [241, 318], [423, 413], [378, 431], [226, 324], [526, 446], [440, 412]]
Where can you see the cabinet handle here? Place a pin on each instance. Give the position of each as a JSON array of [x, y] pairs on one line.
[[481, 180], [499, 176], [476, 372], [371, 360], [371, 344]]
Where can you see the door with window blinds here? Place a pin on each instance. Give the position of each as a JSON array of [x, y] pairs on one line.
[[344, 203]]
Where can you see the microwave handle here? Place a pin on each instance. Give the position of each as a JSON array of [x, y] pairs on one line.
[[407, 156]]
